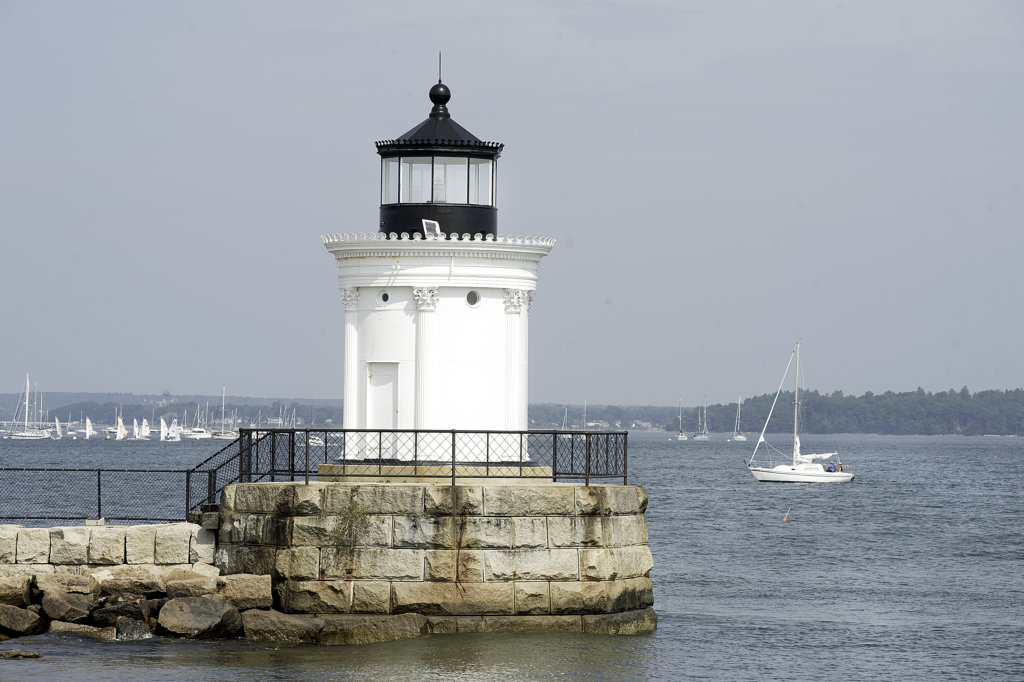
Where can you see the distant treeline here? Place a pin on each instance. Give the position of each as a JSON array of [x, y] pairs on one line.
[[912, 413]]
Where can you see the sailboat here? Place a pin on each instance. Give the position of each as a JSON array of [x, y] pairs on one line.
[[225, 433], [736, 435], [144, 430], [680, 435], [804, 468], [703, 434], [163, 429], [120, 433], [29, 433], [173, 433], [58, 432], [89, 431]]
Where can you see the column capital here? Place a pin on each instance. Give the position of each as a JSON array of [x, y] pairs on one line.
[[426, 298], [350, 297], [515, 299]]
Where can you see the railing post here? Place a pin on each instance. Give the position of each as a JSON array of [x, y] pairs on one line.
[[291, 455], [307, 456], [625, 456], [453, 457], [586, 473], [188, 493], [99, 496], [554, 457], [211, 486]]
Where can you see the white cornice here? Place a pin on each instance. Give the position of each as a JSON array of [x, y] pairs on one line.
[[376, 245]]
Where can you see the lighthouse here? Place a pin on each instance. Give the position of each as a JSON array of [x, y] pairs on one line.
[[436, 301]]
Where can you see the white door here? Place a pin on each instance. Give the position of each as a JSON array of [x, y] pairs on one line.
[[382, 395]]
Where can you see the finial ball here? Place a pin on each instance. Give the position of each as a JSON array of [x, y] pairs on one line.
[[440, 94]]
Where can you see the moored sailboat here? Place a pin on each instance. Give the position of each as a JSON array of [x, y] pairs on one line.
[[804, 468], [736, 435]]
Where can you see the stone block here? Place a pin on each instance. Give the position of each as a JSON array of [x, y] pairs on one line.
[[484, 532], [149, 586], [9, 543], [374, 498], [258, 498], [452, 599], [172, 543], [448, 500], [227, 500], [210, 520], [605, 500], [316, 596], [606, 596], [301, 499], [320, 531], [140, 544], [529, 500], [532, 598], [58, 627], [639, 622], [246, 591], [16, 590], [106, 545], [531, 564], [597, 531], [525, 623], [614, 563], [33, 545], [529, 531], [366, 629], [231, 559], [337, 563], [440, 565], [425, 532], [65, 582], [297, 563], [191, 587], [272, 626], [69, 545], [371, 596], [202, 545], [70, 607], [26, 569]]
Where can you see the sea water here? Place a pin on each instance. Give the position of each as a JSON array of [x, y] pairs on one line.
[[913, 571]]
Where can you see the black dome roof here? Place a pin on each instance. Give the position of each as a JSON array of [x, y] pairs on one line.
[[439, 133]]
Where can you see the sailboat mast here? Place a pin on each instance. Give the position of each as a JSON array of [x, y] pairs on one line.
[[28, 387], [796, 407]]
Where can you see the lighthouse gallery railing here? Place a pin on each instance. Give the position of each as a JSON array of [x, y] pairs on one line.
[[397, 455]]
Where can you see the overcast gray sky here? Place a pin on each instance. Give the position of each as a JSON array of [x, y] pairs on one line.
[[722, 178]]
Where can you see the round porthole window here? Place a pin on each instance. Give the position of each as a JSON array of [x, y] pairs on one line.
[[473, 298], [383, 297]]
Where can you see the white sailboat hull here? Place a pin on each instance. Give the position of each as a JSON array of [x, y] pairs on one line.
[[800, 473]]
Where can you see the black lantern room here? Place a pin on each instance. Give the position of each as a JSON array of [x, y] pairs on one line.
[[438, 178]]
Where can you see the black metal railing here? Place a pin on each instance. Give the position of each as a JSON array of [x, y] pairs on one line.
[[126, 495], [119, 495], [394, 454]]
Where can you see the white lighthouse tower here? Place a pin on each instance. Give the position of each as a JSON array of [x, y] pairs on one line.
[[436, 302]]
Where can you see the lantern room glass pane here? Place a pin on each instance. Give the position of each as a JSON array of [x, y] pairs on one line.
[[481, 175], [450, 180], [415, 174], [389, 181]]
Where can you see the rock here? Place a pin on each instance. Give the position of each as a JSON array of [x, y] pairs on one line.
[[66, 582], [15, 622], [18, 653], [67, 606], [33, 545], [148, 587], [16, 590], [106, 545], [272, 626], [69, 545], [246, 591], [8, 543], [132, 629], [353, 629], [64, 628], [637, 622], [200, 617], [173, 542], [114, 611], [193, 587]]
